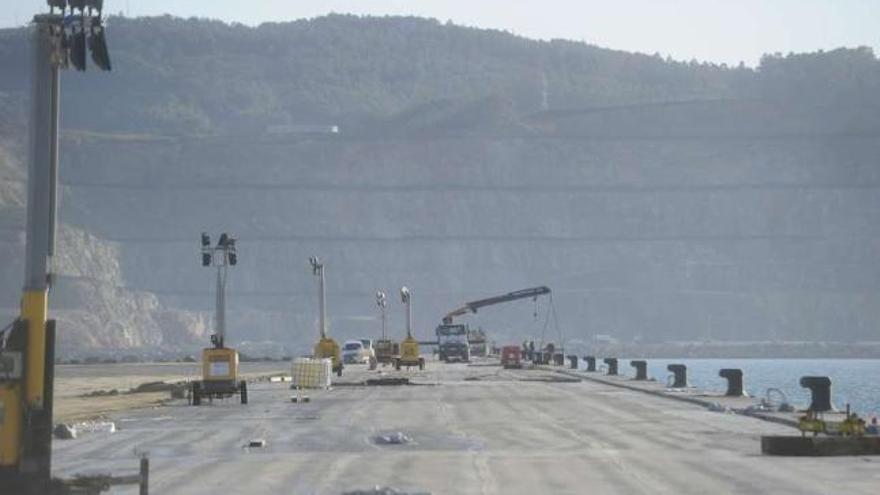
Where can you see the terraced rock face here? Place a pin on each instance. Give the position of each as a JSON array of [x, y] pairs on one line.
[[674, 238], [95, 310]]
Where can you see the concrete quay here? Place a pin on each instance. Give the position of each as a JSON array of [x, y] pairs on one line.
[[462, 429]]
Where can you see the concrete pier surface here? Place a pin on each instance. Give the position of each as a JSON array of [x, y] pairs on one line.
[[463, 430]]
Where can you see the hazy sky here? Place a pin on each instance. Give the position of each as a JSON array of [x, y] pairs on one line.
[[715, 30]]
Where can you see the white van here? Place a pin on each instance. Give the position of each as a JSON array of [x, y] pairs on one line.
[[354, 352]]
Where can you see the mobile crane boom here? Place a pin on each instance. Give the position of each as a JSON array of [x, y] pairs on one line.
[[473, 306]]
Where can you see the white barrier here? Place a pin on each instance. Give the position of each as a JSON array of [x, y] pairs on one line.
[[311, 373]]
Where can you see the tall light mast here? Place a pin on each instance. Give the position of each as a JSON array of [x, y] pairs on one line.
[[60, 39], [381, 301], [326, 346], [407, 301], [221, 256]]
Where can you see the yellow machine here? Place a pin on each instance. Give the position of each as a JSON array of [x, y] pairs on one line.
[[27, 346], [219, 376], [811, 423], [409, 354], [219, 363], [851, 426], [409, 348], [386, 351], [10, 421], [327, 348]]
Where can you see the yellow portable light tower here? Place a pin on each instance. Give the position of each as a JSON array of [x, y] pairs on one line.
[[386, 349], [219, 363], [60, 39], [409, 348], [326, 348]]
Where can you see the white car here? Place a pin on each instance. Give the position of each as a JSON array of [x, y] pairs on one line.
[[354, 351]]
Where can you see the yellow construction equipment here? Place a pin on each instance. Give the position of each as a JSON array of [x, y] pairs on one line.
[[326, 348], [813, 422], [219, 363], [219, 376], [27, 346], [409, 348], [386, 349], [10, 421]]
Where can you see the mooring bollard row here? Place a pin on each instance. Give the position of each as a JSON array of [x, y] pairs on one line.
[[820, 392], [641, 367], [612, 365], [734, 378], [679, 372]]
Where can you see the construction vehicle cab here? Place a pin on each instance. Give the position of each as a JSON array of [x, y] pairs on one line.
[[452, 343]]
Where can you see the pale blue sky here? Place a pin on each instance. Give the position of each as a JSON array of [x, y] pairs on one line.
[[713, 30]]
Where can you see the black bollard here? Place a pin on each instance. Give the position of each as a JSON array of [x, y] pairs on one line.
[[612, 365], [820, 392], [681, 375], [734, 378], [559, 359], [591, 363], [641, 369], [572, 361], [145, 476]]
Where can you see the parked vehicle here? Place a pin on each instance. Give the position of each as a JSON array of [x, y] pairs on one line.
[[511, 357], [452, 343], [354, 352]]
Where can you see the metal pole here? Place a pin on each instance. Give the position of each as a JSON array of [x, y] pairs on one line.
[[321, 304], [145, 476], [383, 322], [409, 316], [54, 111], [221, 303], [43, 150]]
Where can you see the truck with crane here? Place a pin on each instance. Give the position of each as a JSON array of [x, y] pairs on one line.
[[457, 341]]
